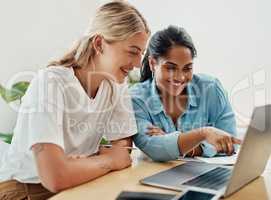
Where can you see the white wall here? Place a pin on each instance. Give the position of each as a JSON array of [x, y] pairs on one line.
[[32, 33], [232, 38]]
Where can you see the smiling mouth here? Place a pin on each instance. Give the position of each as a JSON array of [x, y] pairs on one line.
[[125, 72], [177, 84]]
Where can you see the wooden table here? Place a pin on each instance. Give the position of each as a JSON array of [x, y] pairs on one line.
[[109, 186]]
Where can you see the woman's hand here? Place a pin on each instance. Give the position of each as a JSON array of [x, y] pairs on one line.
[[222, 140], [155, 130]]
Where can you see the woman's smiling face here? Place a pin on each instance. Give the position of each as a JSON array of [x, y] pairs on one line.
[[118, 58], [173, 71]]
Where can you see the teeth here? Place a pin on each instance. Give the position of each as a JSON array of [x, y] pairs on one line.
[[175, 84]]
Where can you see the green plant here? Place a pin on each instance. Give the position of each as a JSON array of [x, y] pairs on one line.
[[104, 141], [6, 137], [16, 92]]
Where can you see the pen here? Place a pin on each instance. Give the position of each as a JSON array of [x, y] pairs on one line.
[[110, 145]]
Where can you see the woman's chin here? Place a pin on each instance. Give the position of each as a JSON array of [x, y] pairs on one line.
[[175, 93], [116, 78], [121, 79]]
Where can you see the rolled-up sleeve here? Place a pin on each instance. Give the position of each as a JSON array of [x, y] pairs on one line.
[[159, 148]]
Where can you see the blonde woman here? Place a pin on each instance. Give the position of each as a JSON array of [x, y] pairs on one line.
[[71, 105]]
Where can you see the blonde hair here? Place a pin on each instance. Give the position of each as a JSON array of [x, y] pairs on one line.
[[114, 21]]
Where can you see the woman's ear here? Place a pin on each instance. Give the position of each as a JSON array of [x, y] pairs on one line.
[[152, 63], [97, 43]]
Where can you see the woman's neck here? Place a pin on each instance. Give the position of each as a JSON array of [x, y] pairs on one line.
[[167, 98], [89, 80], [174, 105], [173, 102]]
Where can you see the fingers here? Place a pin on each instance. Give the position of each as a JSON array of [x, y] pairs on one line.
[[230, 146], [153, 130], [236, 141], [230, 142], [218, 147], [226, 145], [223, 141]]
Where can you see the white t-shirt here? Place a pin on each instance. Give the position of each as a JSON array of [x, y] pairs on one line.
[[56, 109]]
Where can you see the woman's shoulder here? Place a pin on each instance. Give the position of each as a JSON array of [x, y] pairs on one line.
[[58, 72], [209, 86], [141, 90], [50, 77], [204, 83], [53, 76], [204, 79]]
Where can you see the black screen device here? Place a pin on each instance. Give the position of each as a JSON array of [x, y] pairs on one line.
[[128, 195], [195, 195]]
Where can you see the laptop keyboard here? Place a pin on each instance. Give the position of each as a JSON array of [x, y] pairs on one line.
[[214, 179]]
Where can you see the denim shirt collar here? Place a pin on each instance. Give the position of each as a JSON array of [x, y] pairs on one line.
[[156, 105]]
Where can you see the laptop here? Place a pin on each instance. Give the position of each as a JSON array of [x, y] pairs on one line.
[[224, 180]]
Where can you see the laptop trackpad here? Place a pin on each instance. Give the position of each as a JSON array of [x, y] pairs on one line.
[[179, 174]]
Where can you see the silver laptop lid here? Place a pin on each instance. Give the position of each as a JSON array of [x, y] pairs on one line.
[[254, 152]]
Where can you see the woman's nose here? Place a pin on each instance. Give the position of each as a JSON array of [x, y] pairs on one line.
[[182, 77], [179, 77]]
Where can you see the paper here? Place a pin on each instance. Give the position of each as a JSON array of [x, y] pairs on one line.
[[220, 160]]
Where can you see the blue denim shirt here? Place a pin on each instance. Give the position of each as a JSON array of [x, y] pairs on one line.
[[208, 105]]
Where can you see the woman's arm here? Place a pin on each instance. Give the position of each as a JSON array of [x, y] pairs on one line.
[[188, 143], [165, 147], [190, 140], [194, 150], [221, 115], [125, 142], [58, 172], [221, 140]]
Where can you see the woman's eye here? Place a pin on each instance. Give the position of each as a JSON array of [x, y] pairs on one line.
[[171, 67], [188, 69], [133, 53]]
